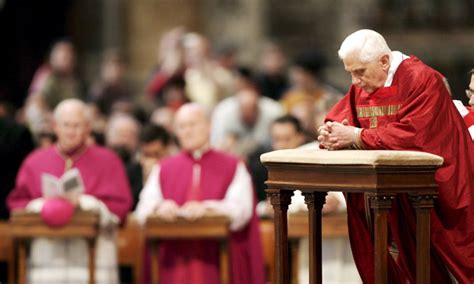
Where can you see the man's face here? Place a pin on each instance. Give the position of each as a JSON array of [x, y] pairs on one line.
[[248, 104], [368, 76], [155, 150], [471, 91], [192, 130], [285, 136], [300, 78], [71, 130], [63, 59], [124, 135]]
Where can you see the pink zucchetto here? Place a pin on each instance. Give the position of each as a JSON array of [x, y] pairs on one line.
[[57, 212]]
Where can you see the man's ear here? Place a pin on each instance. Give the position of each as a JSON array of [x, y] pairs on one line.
[[385, 62]]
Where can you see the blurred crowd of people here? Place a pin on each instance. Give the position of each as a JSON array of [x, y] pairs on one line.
[[276, 104], [244, 101]]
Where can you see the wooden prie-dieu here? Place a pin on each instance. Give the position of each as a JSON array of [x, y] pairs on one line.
[[379, 174], [26, 226]]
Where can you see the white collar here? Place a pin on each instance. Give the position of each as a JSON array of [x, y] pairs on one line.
[[397, 58], [197, 154]]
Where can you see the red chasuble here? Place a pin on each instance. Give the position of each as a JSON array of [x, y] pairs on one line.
[[198, 261], [101, 170], [416, 113]]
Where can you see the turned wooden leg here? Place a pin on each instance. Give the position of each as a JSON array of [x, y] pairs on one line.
[[91, 244], [224, 262], [423, 205], [22, 261], [381, 205], [155, 264], [12, 263], [280, 199], [315, 202]]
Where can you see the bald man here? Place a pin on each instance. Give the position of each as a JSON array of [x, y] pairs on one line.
[[105, 190], [188, 185]]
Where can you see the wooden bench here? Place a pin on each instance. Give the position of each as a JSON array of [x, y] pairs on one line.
[[208, 227], [334, 225], [6, 250], [25, 226], [130, 247]]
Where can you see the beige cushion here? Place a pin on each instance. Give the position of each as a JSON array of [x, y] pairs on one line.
[[352, 157]]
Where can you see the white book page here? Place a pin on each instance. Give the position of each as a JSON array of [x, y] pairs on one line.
[[50, 186], [70, 184]]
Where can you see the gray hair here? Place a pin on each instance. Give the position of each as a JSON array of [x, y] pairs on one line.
[[195, 107], [68, 104], [118, 120], [368, 45]]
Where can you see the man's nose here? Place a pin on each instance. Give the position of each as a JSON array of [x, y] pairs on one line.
[[355, 80]]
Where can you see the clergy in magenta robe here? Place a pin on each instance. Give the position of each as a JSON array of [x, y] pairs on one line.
[[412, 110], [219, 182], [106, 191]]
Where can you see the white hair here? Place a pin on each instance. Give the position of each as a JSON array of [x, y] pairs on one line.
[[118, 120], [194, 107], [368, 45], [68, 104]]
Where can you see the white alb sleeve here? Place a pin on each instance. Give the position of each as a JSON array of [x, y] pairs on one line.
[[91, 203], [237, 204], [150, 196]]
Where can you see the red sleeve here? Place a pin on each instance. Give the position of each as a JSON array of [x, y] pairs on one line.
[[157, 83]]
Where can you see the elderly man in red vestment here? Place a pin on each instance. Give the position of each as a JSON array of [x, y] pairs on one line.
[[104, 189], [197, 180], [398, 103]]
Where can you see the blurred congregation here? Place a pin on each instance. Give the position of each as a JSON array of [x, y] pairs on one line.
[[97, 74]]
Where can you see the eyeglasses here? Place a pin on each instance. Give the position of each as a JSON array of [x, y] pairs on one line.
[[469, 92]]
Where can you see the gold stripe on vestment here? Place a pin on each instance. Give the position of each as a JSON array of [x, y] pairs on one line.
[[374, 111]]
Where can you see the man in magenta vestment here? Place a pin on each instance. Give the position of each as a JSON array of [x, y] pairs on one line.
[[105, 190], [398, 103], [196, 181]]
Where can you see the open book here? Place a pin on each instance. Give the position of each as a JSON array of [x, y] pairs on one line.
[[69, 184]]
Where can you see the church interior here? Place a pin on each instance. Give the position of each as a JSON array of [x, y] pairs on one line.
[[185, 95]]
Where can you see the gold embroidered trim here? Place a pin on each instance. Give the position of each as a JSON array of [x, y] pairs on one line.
[[358, 143], [373, 122], [374, 111]]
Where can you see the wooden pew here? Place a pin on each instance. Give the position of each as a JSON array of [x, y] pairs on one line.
[[208, 227], [334, 225], [6, 250], [131, 240], [130, 247], [268, 247], [25, 226]]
